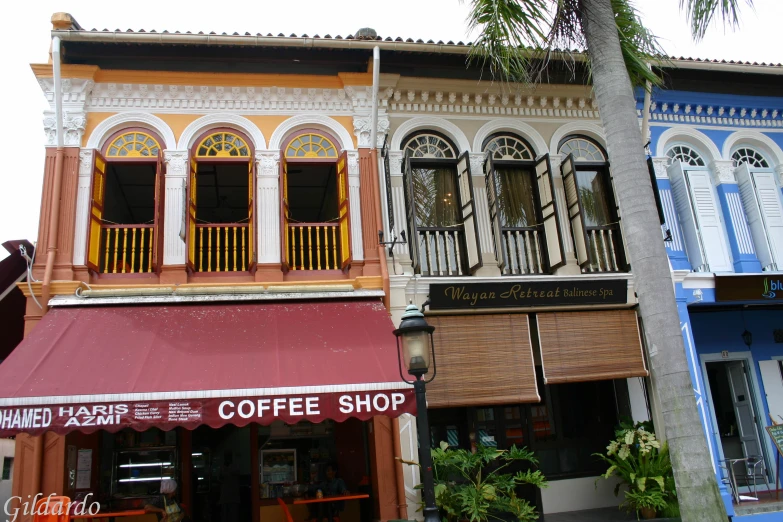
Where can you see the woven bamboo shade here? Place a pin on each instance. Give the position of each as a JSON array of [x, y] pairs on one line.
[[482, 360], [590, 346]]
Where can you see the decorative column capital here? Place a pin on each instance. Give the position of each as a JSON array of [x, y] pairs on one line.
[[661, 166], [779, 172], [722, 172], [395, 162], [477, 163], [555, 160], [74, 123], [362, 128], [353, 164], [268, 163], [176, 163], [85, 162]]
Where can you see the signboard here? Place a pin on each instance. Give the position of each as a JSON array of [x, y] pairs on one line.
[[749, 288], [776, 432], [215, 412], [451, 296]]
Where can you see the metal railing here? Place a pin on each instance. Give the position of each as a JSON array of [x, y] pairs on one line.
[[127, 249], [314, 246], [521, 248], [603, 244], [222, 248], [441, 251]]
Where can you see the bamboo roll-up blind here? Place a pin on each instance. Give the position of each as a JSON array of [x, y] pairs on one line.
[[590, 346], [482, 360]]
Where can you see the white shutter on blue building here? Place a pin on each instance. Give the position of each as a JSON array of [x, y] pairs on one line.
[[761, 200]]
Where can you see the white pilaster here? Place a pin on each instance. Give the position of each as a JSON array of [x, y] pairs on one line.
[[362, 128], [409, 448], [661, 164], [175, 220], [779, 173], [82, 207], [722, 171], [481, 208], [268, 206], [398, 200], [354, 180], [571, 267]]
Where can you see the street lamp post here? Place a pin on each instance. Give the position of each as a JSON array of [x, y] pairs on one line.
[[416, 349]]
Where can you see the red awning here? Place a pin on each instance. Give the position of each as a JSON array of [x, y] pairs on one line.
[[165, 366]]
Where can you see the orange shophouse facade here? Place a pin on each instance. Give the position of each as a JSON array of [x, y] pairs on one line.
[[216, 309]]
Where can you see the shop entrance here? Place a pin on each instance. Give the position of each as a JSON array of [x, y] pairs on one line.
[[735, 414]]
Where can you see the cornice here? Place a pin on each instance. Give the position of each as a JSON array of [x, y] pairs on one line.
[[732, 116]]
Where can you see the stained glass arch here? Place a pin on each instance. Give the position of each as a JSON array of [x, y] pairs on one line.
[[133, 144], [508, 147], [428, 145], [686, 155], [583, 149], [750, 156], [223, 144], [311, 145]]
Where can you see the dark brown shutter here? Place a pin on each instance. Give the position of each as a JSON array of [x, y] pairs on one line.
[[590, 346], [465, 189], [410, 213], [482, 360], [549, 215], [574, 206], [490, 177]]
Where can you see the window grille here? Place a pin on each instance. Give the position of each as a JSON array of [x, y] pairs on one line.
[[309, 146], [582, 148], [133, 145], [223, 145], [685, 155], [749, 156], [508, 147]]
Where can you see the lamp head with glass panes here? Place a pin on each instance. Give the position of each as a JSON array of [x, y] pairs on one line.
[[415, 345]]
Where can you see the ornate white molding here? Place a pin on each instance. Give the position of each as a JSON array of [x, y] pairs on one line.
[[688, 135], [76, 92], [362, 128], [673, 112], [131, 119], [395, 162], [268, 206], [189, 99], [755, 139], [514, 126], [722, 172], [74, 123], [82, 207], [222, 119], [779, 172], [354, 194], [429, 122], [311, 120], [661, 165], [176, 163], [268, 163], [174, 207], [593, 130], [477, 164]]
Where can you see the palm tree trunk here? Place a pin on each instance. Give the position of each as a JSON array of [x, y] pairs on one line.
[[697, 487]]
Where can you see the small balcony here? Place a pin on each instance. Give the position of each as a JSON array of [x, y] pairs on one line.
[[222, 248], [521, 248], [127, 249], [604, 246], [314, 246], [442, 251]]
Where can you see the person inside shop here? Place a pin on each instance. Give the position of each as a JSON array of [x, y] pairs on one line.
[[334, 486], [166, 506]]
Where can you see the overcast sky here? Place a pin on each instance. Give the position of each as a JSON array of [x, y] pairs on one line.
[[25, 40]]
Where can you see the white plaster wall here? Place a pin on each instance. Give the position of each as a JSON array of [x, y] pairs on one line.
[[636, 394], [7, 447], [580, 493]]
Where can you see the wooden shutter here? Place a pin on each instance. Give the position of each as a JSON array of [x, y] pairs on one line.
[[687, 216], [410, 214], [285, 254], [96, 211], [656, 193], [470, 225], [574, 205], [157, 238], [551, 220], [590, 346], [469, 377], [621, 250], [761, 200], [192, 190], [491, 179], [251, 215], [772, 379], [343, 208]]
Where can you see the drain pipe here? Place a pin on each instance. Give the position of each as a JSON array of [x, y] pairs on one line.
[[376, 188], [54, 216]]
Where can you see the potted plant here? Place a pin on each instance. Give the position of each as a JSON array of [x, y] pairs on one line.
[[472, 486], [644, 467]]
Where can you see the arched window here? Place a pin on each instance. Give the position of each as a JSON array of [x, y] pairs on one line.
[[428, 144], [508, 147], [685, 155], [220, 203], [751, 157], [582, 147], [223, 145], [311, 146], [126, 204], [133, 145]]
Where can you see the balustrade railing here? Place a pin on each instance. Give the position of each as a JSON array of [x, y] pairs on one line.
[[127, 249], [314, 246], [603, 244], [441, 251], [521, 250], [222, 248]]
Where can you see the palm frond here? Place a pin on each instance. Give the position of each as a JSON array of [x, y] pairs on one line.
[[639, 45], [700, 14]]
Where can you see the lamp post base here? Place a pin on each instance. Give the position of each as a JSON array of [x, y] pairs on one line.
[[431, 512]]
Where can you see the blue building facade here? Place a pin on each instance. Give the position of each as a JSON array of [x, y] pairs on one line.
[[717, 153]]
